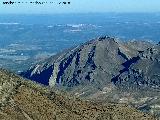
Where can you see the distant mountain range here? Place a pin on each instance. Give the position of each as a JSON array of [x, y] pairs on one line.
[[106, 69]]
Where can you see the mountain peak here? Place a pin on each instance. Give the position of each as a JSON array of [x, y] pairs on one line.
[[105, 68]]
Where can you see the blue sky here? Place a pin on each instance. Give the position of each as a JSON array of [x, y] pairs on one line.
[[83, 6]]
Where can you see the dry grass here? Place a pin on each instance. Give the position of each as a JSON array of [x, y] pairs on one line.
[[26, 100]]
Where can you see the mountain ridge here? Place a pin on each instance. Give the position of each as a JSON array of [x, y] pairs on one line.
[[27, 100], [106, 68], [129, 56]]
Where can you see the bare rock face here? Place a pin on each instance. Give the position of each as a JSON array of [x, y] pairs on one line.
[[26, 100], [98, 62], [106, 69]]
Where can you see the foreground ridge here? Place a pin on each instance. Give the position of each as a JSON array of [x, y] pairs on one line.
[[26, 100]]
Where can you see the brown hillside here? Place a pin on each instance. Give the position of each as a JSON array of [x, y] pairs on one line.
[[25, 100]]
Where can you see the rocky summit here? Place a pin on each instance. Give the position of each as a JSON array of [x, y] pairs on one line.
[[106, 69], [26, 100]]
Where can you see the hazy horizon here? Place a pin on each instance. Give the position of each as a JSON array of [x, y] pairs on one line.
[[83, 6]]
